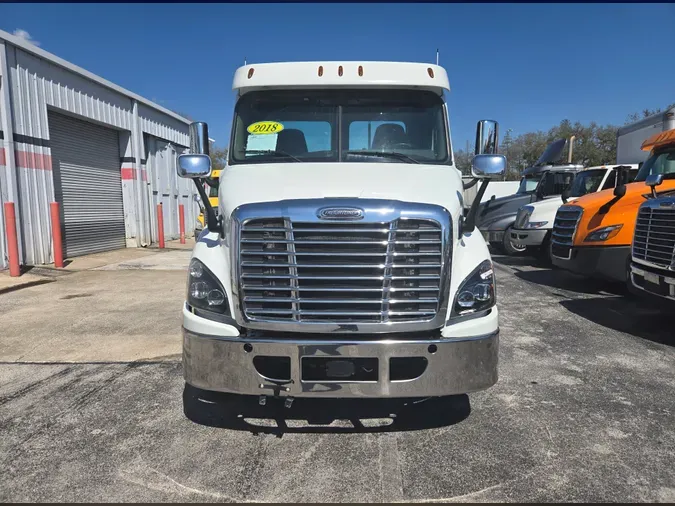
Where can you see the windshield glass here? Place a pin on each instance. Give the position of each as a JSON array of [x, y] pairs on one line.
[[587, 181], [529, 183], [660, 162], [291, 126], [554, 183]]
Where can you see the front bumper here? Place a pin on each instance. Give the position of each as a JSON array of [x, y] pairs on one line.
[[607, 262], [453, 366], [653, 281], [530, 237]]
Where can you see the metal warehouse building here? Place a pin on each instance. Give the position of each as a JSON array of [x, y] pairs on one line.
[[106, 155]]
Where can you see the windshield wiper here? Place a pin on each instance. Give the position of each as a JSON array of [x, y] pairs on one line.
[[383, 154], [273, 153]]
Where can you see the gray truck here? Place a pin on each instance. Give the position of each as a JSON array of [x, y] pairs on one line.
[[544, 179]]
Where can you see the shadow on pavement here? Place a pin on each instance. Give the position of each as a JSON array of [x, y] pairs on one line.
[[563, 280], [240, 412], [631, 315]]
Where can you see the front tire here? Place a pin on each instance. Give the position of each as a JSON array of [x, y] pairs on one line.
[[510, 247]]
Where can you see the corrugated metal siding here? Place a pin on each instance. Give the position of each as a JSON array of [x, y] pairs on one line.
[[88, 185], [37, 85]]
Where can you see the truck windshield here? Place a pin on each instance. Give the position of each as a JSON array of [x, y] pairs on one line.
[[660, 162], [587, 181], [529, 183], [291, 126]]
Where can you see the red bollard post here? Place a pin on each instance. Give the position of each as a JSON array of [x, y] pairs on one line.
[[57, 240], [181, 221], [12, 240], [160, 225]]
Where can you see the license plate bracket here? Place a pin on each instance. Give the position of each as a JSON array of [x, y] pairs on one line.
[[326, 369]]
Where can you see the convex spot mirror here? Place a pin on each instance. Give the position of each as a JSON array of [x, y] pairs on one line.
[[193, 166], [488, 166]]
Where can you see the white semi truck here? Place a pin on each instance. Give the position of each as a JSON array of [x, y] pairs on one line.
[[340, 263]]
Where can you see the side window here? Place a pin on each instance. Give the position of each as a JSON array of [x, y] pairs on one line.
[[611, 181], [361, 133]]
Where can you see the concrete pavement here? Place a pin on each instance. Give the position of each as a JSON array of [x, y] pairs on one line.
[[583, 410]]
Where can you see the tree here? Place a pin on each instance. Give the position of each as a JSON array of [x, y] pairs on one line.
[[218, 156], [637, 116]]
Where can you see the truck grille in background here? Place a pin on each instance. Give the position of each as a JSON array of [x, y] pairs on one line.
[[654, 240], [340, 272], [565, 224]]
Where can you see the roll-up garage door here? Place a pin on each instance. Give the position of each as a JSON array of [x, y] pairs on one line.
[[87, 185]]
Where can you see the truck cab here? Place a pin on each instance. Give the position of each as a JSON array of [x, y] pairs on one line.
[[545, 179], [534, 222], [341, 263], [593, 235], [653, 248]]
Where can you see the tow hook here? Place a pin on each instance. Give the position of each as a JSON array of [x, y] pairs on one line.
[[262, 400], [288, 402]]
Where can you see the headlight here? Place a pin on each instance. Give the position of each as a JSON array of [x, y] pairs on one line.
[[204, 291], [523, 215], [535, 224], [604, 233], [477, 291]]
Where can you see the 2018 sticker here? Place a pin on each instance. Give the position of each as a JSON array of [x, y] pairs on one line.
[[265, 127]]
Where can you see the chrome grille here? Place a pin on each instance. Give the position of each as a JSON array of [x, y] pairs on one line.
[[564, 227], [654, 240], [299, 272]]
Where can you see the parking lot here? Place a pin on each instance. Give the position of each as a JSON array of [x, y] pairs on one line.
[[92, 404]]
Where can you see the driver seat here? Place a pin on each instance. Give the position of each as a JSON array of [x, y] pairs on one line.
[[388, 136]]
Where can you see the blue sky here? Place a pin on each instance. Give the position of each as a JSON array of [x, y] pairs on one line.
[[526, 65]]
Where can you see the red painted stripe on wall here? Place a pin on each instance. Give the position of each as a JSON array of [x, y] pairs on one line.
[[128, 173], [28, 160], [3, 160]]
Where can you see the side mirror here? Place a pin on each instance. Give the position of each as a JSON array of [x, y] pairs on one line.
[[194, 166], [487, 137], [199, 138], [653, 181], [566, 193], [488, 166]]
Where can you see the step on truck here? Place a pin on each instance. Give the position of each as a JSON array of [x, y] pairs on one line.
[[593, 235], [340, 263]]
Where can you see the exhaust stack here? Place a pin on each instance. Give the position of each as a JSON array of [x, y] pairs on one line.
[[569, 153]]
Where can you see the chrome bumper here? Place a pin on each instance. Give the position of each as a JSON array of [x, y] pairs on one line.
[[454, 366]]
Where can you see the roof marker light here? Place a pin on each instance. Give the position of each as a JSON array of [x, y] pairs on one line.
[[340, 70], [320, 70], [250, 73], [431, 72], [360, 70]]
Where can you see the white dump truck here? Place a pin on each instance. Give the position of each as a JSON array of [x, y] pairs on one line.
[[340, 263]]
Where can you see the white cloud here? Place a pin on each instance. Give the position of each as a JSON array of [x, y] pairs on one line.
[[23, 34]]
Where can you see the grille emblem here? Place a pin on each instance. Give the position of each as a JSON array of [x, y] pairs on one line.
[[340, 213]]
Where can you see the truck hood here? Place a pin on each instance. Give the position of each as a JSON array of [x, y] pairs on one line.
[[592, 202], [496, 209], [431, 184], [545, 210]]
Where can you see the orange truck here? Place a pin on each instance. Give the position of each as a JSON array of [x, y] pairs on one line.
[[593, 235]]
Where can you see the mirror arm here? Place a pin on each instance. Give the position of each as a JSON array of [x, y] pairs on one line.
[[470, 221], [210, 213]]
